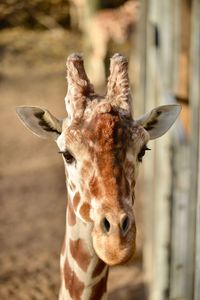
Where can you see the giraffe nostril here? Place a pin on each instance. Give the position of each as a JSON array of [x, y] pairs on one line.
[[106, 225], [125, 224]]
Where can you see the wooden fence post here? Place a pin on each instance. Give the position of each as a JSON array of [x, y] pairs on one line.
[[160, 66], [178, 277], [158, 70], [172, 243], [194, 241]]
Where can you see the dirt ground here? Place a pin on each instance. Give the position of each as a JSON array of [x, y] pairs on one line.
[[32, 185]]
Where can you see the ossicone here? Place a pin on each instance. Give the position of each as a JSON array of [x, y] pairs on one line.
[[118, 89]]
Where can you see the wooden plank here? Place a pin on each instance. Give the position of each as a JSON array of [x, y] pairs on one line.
[[165, 66], [195, 147], [179, 221], [149, 99], [157, 168], [161, 69], [181, 172]]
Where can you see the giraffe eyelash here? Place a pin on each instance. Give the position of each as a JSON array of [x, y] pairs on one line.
[[142, 152], [69, 158]]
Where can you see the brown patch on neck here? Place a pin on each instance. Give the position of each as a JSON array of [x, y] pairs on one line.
[[99, 268], [71, 217], [85, 212], [80, 253], [99, 288], [72, 282], [76, 200]]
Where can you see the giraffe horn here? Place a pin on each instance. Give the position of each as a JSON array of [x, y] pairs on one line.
[[118, 90], [79, 86]]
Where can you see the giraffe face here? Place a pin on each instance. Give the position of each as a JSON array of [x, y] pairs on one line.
[[102, 147], [101, 157]]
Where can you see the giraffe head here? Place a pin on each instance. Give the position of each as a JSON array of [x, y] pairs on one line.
[[102, 147]]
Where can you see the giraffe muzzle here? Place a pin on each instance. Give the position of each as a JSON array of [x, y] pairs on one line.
[[114, 238]]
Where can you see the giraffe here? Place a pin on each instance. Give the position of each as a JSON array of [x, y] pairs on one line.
[[102, 147], [117, 25]]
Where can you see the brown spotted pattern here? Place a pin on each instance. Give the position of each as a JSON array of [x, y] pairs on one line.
[[71, 217], [85, 212], [100, 266], [98, 136], [99, 289], [72, 282], [109, 133], [76, 200], [80, 253]]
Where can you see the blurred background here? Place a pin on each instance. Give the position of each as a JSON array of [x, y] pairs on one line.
[[161, 40]]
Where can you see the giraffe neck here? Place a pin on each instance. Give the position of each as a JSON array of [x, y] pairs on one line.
[[83, 274]]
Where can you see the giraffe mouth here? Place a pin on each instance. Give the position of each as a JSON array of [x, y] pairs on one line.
[[115, 256], [115, 249]]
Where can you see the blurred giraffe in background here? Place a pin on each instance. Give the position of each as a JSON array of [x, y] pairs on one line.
[[102, 147], [107, 25]]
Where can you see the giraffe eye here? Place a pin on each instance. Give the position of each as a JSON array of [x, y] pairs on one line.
[[68, 156], [142, 153]]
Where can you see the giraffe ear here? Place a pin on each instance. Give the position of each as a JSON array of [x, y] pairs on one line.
[[159, 120], [40, 121]]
